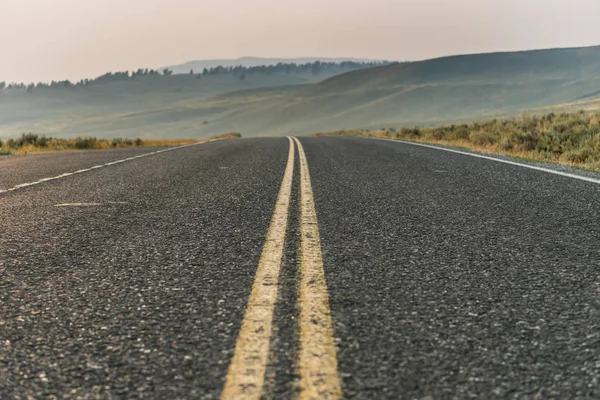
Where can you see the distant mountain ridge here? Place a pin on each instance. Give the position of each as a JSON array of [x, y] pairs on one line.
[[199, 65]]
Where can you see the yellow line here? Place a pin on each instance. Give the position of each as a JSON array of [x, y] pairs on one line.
[[246, 374], [317, 361]]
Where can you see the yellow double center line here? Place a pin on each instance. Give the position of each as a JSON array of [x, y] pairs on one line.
[[316, 359]]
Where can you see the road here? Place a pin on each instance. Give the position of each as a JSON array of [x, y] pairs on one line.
[[345, 267]]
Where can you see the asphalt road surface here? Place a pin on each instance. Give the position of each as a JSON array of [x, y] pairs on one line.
[[324, 268]]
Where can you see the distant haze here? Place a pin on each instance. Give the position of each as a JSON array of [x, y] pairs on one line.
[[43, 40]]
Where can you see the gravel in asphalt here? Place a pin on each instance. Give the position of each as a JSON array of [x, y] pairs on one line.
[[449, 276], [17, 169], [135, 300], [456, 277]]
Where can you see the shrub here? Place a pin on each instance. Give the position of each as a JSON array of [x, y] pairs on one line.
[[482, 138], [27, 138], [551, 142], [438, 134], [460, 133], [41, 141], [580, 155], [527, 140], [506, 144], [411, 132], [82, 143]]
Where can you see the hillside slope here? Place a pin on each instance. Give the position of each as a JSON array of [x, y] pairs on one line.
[[449, 89], [60, 110]]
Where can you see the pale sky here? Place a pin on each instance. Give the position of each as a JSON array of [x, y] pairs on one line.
[[72, 39]]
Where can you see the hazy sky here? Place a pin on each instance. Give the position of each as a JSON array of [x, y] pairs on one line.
[[60, 39]]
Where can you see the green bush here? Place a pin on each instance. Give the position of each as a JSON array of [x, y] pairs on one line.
[[27, 138], [551, 142], [526, 140], [580, 155], [411, 132], [460, 133], [82, 143], [439, 134], [482, 138], [41, 141]]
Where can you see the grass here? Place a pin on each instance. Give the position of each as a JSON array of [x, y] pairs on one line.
[[570, 138], [34, 143]]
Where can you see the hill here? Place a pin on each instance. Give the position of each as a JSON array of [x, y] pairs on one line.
[[199, 65], [449, 89], [114, 99], [445, 89]]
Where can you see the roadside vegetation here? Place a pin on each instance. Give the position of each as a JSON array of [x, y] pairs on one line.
[[34, 143], [566, 138]]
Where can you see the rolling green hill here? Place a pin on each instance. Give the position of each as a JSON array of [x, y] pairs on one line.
[[449, 89]]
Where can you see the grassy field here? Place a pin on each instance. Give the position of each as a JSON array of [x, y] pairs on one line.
[[566, 138], [33, 143]]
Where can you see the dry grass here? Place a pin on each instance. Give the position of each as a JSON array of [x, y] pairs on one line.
[[181, 142], [33, 143], [566, 138]]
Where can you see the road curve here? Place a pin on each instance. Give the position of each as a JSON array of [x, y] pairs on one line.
[[443, 275]]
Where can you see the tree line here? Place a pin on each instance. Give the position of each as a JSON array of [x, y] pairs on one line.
[[239, 72], [314, 68], [108, 77]]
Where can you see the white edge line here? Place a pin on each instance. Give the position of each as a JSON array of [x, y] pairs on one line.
[[551, 171], [64, 175]]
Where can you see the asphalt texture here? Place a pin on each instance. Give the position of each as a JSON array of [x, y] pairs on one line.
[[135, 300], [17, 169], [449, 276]]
